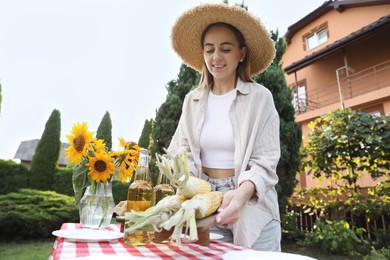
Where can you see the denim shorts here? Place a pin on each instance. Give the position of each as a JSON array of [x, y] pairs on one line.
[[270, 236], [223, 184]]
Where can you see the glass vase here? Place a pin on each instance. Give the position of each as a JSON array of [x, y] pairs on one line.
[[96, 206]]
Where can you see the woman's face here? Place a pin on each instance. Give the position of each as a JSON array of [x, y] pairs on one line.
[[221, 52]]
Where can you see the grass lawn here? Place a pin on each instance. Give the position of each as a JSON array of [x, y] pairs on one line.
[[26, 250], [314, 252]]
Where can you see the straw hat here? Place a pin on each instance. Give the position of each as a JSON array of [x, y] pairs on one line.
[[187, 32]]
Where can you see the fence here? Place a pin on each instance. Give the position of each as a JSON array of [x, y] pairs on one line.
[[305, 221]]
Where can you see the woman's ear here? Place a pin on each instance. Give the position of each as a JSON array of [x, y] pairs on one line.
[[243, 53]]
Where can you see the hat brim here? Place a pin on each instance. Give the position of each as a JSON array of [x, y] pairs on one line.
[[187, 31]]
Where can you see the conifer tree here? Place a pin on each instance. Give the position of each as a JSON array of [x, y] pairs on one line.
[[168, 115], [290, 132], [47, 154], [144, 139], [104, 130]]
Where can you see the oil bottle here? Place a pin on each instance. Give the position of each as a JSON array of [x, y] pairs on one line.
[[139, 198], [163, 188]]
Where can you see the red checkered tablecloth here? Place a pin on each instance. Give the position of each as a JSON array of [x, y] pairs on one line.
[[64, 249]]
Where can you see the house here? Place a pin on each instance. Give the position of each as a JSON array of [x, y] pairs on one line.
[[338, 56], [26, 151]]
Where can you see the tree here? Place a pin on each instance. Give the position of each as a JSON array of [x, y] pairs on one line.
[[290, 132], [168, 115], [144, 139], [47, 153], [345, 144], [104, 130]]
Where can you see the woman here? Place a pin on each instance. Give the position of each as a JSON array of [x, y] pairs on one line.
[[229, 125]]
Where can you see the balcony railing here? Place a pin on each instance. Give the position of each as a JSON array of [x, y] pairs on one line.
[[358, 83]]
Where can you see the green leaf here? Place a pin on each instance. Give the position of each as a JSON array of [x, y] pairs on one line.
[[80, 181]]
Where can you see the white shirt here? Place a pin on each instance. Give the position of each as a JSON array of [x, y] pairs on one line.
[[216, 137]]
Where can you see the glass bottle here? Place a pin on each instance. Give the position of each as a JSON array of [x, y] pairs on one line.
[[163, 188], [139, 198]]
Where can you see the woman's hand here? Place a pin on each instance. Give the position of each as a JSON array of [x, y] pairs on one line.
[[233, 202]]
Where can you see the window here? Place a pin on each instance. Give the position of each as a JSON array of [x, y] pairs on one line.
[[317, 38], [299, 100], [375, 110], [376, 113]]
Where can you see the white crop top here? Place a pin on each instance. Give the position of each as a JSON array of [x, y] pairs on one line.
[[216, 137]]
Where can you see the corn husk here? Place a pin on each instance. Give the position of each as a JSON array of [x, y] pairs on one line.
[[185, 217], [175, 167], [152, 218]]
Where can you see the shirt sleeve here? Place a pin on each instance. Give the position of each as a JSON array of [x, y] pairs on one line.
[[265, 155], [180, 142]]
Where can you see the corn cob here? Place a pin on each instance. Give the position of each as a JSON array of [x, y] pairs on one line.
[[175, 167], [201, 201], [200, 206], [193, 187], [212, 200], [153, 217]]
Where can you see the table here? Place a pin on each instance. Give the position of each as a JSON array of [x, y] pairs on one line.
[[64, 249]]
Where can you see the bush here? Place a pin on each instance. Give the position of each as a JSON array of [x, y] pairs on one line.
[[119, 191], [14, 176], [382, 238], [335, 237], [63, 181], [34, 214], [63, 185], [291, 232], [381, 254]]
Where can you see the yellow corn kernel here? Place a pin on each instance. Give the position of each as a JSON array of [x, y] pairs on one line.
[[193, 187], [212, 201]]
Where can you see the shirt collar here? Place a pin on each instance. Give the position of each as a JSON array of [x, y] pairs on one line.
[[241, 87]]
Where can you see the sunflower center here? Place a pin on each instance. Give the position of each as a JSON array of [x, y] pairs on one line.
[[78, 143], [100, 166]]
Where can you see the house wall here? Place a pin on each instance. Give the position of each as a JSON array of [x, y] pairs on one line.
[[367, 53], [340, 24], [320, 76]]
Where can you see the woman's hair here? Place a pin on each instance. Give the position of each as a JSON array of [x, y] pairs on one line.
[[243, 69]]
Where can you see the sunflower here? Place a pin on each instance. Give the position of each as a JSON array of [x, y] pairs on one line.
[[79, 141], [122, 142], [128, 165], [125, 172], [127, 159], [98, 145], [128, 145], [101, 166]]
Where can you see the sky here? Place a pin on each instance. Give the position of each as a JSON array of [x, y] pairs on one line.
[[86, 57]]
